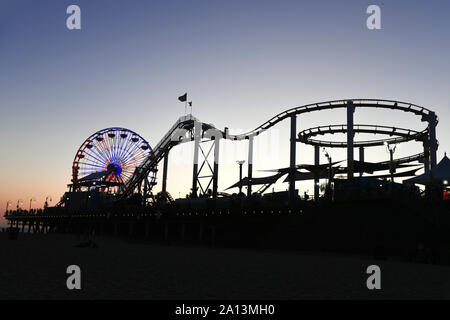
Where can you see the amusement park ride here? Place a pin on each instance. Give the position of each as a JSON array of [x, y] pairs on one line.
[[119, 164], [115, 169]]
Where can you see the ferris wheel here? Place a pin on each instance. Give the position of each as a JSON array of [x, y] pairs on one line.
[[109, 158]]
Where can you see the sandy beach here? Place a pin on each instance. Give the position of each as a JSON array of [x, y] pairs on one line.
[[34, 267]]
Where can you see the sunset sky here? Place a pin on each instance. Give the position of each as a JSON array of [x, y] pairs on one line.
[[241, 63]]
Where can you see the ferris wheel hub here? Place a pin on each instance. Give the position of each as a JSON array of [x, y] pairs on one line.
[[114, 168]]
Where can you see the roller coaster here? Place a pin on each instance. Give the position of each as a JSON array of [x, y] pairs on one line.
[[121, 162], [189, 128]]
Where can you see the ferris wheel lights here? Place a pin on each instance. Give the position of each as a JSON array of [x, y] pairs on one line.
[[110, 155]]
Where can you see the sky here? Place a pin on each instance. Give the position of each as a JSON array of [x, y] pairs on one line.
[[241, 63]]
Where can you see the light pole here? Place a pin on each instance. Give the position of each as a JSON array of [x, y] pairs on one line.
[[31, 200], [46, 201], [330, 174], [391, 150], [19, 203], [240, 163], [8, 203]]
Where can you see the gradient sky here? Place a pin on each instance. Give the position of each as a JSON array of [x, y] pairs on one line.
[[241, 62]]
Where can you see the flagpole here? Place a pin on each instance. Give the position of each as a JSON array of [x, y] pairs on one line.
[[184, 98]]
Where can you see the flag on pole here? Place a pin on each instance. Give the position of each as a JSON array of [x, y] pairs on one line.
[[183, 98]]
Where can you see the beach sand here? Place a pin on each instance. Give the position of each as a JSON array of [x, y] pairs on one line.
[[34, 267]]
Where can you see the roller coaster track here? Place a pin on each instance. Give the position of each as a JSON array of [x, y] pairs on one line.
[[162, 148], [402, 135], [335, 104], [159, 151], [416, 157]]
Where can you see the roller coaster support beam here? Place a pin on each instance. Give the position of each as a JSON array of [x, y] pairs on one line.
[[350, 138], [195, 168], [426, 158], [391, 164], [250, 166], [316, 174], [292, 170], [433, 143], [216, 166], [164, 182], [144, 194], [361, 161]]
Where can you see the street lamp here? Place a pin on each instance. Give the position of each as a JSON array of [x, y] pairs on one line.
[[8, 203], [240, 163], [391, 150], [19, 203], [46, 201], [329, 168], [31, 200]]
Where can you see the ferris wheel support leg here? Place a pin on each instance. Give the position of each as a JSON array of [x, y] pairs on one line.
[[293, 143], [316, 174], [350, 138]]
